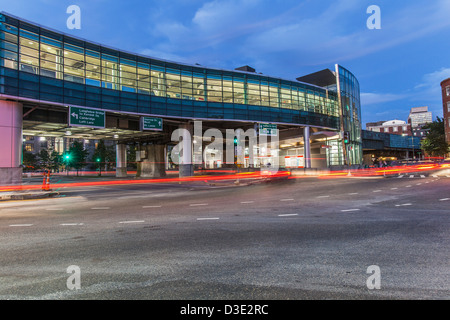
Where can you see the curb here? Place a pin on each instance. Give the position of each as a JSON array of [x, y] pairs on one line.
[[27, 196]]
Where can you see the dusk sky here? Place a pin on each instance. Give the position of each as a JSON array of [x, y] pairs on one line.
[[399, 66]]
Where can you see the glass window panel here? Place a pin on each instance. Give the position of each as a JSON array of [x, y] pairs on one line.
[[29, 35], [93, 72], [74, 71], [29, 52], [29, 60], [9, 46], [128, 75], [186, 82], [51, 57], [46, 49], [8, 63], [73, 56], [74, 65], [129, 63], [109, 61], [50, 42], [93, 58], [73, 48], [50, 65], [8, 37], [9, 55], [173, 71], [8, 28]]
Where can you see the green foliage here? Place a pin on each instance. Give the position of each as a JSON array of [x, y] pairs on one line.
[[434, 144], [77, 156], [104, 156], [30, 160]]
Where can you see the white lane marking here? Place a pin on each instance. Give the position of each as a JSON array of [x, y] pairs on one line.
[[408, 186], [244, 202], [418, 184], [394, 188], [100, 208], [54, 209], [348, 210], [198, 204], [422, 176], [21, 225], [411, 176], [147, 207], [288, 215], [403, 205], [199, 219], [322, 197], [135, 221], [434, 175], [377, 190], [401, 176], [71, 224], [444, 199], [353, 193], [286, 199]]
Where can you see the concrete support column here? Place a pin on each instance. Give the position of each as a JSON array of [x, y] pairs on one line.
[[186, 164], [307, 147], [153, 161], [11, 114], [121, 160]]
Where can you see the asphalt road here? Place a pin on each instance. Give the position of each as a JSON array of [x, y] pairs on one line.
[[305, 238]]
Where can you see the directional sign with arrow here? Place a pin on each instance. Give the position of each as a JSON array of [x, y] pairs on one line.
[[148, 123], [84, 117]]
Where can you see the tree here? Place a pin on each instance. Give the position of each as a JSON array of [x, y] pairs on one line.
[[103, 156], [30, 160], [434, 144], [77, 156], [55, 161], [44, 158]]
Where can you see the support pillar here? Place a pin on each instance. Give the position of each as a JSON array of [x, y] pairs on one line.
[[11, 114], [186, 167], [307, 147], [121, 160], [153, 161]]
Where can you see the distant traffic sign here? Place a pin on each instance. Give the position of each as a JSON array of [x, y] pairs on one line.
[[266, 129], [84, 117], [148, 123]]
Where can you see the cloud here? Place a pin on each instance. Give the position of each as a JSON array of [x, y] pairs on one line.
[[368, 98], [432, 80]]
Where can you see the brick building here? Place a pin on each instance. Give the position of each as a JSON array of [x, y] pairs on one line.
[[445, 85]]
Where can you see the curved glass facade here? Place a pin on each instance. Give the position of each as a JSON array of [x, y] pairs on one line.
[[45, 65], [351, 114]]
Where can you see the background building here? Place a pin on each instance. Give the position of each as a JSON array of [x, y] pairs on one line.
[[417, 118], [393, 126]]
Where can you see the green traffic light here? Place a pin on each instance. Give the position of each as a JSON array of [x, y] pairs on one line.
[[98, 159]]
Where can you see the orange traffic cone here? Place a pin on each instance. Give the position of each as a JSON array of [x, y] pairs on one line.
[[48, 181]]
